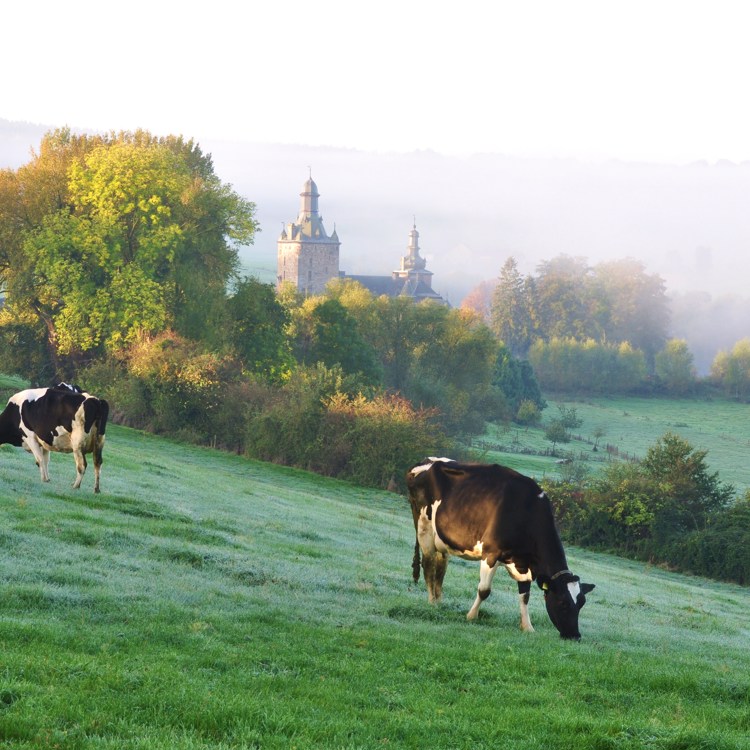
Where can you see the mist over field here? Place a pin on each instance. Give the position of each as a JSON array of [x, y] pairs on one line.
[[687, 223]]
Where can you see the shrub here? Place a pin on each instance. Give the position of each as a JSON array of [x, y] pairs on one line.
[[283, 423], [165, 384], [668, 508], [721, 550], [528, 414], [375, 441]]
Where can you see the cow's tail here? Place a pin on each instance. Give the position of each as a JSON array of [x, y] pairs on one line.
[[101, 420], [415, 563], [102, 415]]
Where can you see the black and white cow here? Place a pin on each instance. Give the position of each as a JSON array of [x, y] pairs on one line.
[[62, 418], [499, 517]]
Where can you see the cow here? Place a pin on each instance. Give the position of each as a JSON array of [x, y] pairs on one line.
[[63, 418], [497, 516]]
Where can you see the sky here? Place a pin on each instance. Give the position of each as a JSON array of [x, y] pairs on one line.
[[659, 81]]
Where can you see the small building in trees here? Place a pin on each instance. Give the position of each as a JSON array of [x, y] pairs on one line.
[[308, 258]]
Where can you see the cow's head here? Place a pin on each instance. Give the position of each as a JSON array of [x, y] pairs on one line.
[[564, 595]]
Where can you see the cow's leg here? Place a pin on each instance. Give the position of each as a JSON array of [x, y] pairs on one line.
[[45, 464], [441, 565], [80, 467], [41, 456], [97, 471], [434, 566], [434, 563], [486, 573], [524, 592], [97, 461]]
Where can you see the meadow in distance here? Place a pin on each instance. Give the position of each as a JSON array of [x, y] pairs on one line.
[[205, 600], [630, 425]]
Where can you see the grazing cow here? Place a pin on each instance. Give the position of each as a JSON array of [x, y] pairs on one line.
[[499, 517], [62, 418]]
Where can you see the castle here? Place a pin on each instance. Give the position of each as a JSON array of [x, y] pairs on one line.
[[308, 258]]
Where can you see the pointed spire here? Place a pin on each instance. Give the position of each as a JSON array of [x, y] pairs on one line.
[[309, 202]]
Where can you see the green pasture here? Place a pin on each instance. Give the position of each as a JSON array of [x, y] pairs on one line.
[[207, 601], [631, 426]]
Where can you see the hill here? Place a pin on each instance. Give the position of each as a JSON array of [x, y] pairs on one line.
[[630, 426], [207, 601]]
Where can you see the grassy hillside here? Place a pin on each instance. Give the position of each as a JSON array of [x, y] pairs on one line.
[[205, 601], [632, 425]]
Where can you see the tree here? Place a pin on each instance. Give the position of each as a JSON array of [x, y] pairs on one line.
[[36, 190], [569, 418], [396, 337], [516, 380], [599, 432], [573, 366], [327, 333], [562, 299], [452, 368], [509, 312], [129, 233], [23, 348], [674, 367], [732, 370], [257, 330], [556, 432], [528, 413], [637, 307], [479, 300], [687, 493]]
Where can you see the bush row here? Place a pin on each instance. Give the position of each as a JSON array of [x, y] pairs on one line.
[[668, 509], [319, 420]]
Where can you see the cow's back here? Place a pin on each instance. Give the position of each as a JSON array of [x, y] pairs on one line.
[[51, 412], [490, 502]]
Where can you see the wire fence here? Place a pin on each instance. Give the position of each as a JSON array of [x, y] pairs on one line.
[[604, 453]]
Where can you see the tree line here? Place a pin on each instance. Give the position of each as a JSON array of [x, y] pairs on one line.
[[600, 329]]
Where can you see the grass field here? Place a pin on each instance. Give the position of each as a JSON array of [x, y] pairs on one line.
[[633, 425], [206, 601]]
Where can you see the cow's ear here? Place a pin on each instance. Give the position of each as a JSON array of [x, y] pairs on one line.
[[587, 588], [543, 582]]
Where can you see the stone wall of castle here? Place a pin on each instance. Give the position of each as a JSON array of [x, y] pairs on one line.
[[309, 266]]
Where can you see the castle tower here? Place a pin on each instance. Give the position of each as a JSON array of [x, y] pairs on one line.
[[307, 257], [416, 279]]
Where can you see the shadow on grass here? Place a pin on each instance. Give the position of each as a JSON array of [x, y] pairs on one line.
[[442, 613], [201, 560]]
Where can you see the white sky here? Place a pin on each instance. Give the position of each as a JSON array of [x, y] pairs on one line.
[[660, 80]]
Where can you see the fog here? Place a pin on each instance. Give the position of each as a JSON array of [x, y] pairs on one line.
[[690, 223]]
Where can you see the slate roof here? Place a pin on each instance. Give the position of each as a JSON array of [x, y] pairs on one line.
[[394, 287]]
